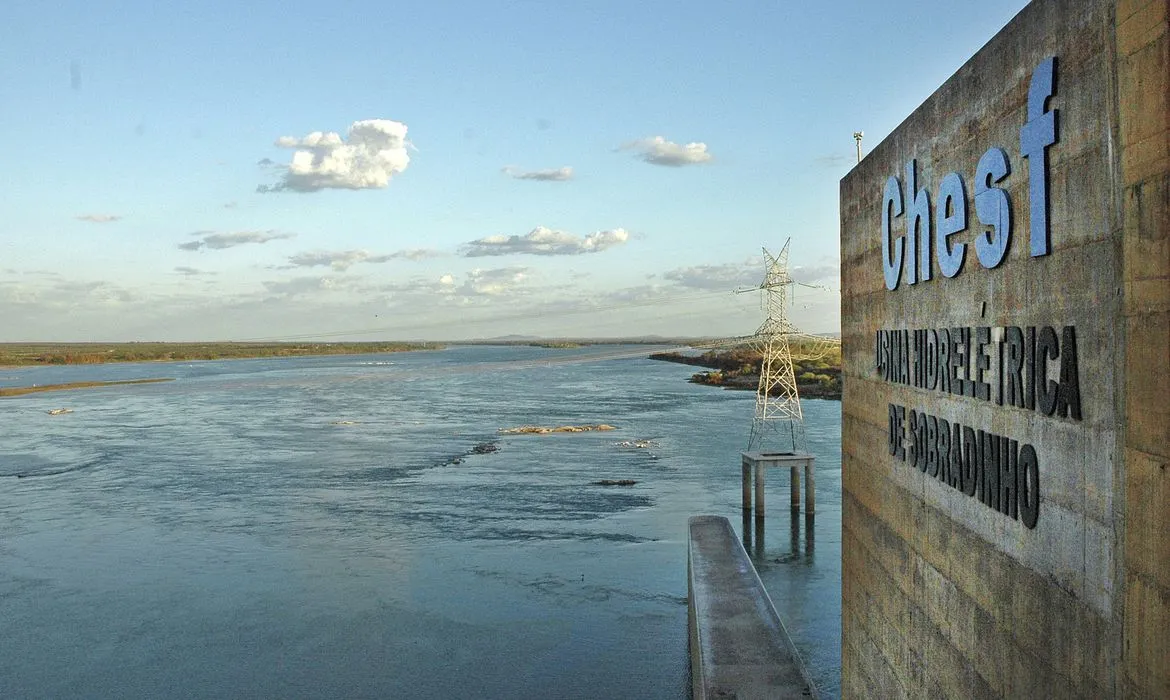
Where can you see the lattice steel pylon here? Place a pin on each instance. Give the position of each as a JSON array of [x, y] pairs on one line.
[[778, 417]]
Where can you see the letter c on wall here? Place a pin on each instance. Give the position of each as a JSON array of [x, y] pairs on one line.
[[891, 249]]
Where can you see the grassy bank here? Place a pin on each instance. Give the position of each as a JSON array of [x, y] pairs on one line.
[[740, 369], [40, 354], [22, 390]]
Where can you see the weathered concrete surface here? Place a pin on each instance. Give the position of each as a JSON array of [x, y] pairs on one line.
[[942, 595], [1143, 68], [739, 647]]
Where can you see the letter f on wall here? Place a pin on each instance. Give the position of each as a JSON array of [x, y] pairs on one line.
[[1039, 132]]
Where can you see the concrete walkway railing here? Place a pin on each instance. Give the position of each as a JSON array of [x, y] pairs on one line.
[[738, 645]]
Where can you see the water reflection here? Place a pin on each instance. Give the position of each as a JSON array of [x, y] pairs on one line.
[[754, 538]]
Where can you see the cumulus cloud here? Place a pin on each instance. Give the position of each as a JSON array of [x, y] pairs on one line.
[[99, 218], [219, 241], [748, 274], [337, 259], [545, 241], [67, 294], [727, 277], [417, 254], [484, 283], [657, 150], [549, 175], [300, 286], [371, 153], [341, 260]]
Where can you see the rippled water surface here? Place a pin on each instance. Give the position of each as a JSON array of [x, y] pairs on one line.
[[327, 527]]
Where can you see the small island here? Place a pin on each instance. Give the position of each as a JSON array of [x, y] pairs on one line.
[[739, 368]]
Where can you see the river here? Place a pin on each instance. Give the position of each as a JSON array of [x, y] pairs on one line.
[[316, 527]]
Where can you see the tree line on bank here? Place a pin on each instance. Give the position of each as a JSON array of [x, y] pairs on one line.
[[26, 354], [740, 368]]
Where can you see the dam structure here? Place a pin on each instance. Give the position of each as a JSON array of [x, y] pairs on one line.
[[1005, 262]]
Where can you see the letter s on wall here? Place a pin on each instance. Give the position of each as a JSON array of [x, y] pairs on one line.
[[993, 208]]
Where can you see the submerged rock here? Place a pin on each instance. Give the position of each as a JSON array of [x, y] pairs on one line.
[[543, 430]]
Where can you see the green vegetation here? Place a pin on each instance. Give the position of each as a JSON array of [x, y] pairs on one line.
[[21, 390], [25, 354], [817, 377]]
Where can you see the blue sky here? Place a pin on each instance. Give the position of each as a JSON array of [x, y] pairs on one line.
[[543, 184]]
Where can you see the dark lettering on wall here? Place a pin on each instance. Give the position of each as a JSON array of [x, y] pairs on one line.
[[999, 472], [1068, 393], [1028, 486], [982, 363], [1047, 348], [1030, 368]]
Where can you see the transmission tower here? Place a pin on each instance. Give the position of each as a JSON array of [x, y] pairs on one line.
[[778, 419]]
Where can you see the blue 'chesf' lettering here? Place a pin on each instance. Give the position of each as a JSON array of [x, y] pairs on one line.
[[912, 252], [952, 218], [993, 208], [1038, 134], [891, 249]]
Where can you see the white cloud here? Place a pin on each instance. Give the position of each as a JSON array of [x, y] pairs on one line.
[[727, 277], [337, 259], [58, 295], [658, 151], [300, 286], [373, 151], [344, 259], [545, 241], [485, 283], [99, 218], [417, 254], [733, 276], [219, 241], [549, 175]]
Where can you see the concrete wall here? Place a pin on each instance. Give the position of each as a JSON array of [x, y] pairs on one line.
[[943, 594]]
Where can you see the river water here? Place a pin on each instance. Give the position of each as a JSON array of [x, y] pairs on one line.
[[316, 527]]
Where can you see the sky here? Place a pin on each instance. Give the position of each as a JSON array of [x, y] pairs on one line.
[[442, 170]]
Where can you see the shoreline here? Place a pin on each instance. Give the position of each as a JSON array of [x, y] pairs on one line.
[[742, 380], [12, 391], [21, 355]]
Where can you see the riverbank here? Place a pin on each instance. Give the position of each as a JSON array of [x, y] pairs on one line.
[[36, 388], [739, 369], [41, 354]]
